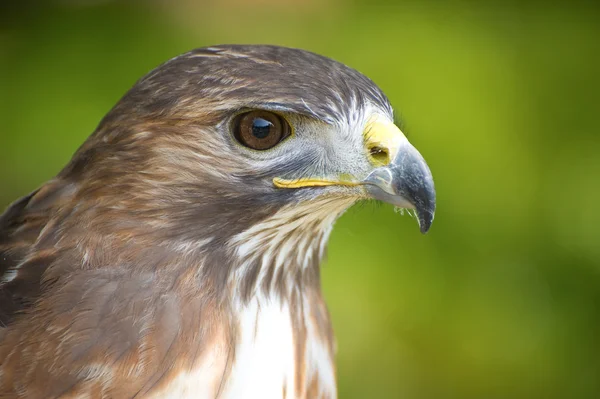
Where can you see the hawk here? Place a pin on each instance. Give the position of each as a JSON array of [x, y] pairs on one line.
[[177, 254]]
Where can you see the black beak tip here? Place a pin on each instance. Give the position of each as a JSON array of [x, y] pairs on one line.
[[425, 205], [425, 220]]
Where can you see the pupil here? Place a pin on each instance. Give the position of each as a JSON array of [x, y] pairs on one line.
[[261, 128]]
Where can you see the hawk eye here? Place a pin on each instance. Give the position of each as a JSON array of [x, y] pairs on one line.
[[260, 130]]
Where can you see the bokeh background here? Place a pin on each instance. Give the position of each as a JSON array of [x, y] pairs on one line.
[[502, 298]]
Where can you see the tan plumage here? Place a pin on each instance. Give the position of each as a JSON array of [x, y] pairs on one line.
[[164, 262]]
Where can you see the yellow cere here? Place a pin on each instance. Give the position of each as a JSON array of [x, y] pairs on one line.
[[382, 139]]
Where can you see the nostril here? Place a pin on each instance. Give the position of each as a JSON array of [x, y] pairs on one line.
[[379, 155]]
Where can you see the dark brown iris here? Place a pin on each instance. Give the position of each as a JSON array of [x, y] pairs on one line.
[[260, 130]]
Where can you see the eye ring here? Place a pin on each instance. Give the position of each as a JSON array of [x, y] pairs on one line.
[[260, 130]]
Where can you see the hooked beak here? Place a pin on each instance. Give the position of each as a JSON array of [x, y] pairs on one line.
[[406, 180], [401, 177]]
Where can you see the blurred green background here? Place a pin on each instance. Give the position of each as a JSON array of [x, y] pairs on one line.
[[502, 298]]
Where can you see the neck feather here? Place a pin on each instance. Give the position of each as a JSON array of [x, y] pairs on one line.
[[281, 254]]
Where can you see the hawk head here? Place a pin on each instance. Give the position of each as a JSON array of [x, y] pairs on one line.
[[249, 152]]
